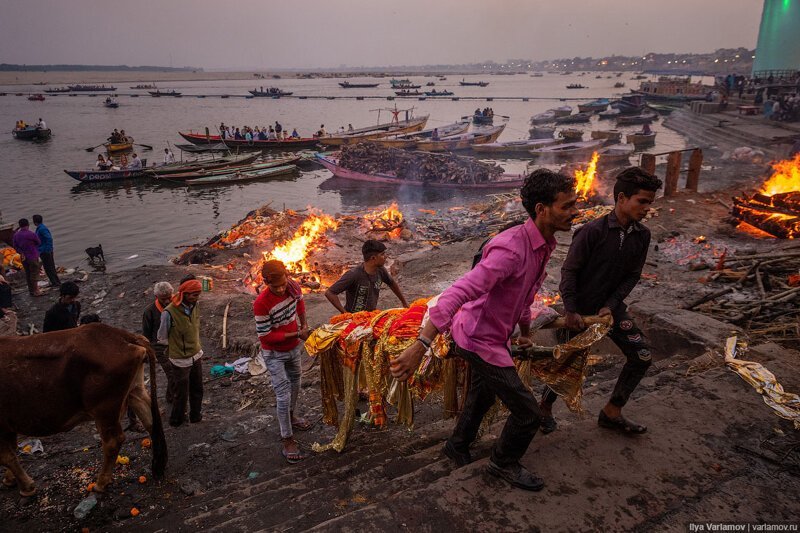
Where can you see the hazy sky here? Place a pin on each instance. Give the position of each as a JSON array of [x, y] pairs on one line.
[[328, 33]]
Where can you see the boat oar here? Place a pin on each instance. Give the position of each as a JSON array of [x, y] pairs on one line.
[[93, 147], [145, 146]]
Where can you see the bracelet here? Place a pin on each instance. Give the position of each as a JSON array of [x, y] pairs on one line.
[[425, 342]]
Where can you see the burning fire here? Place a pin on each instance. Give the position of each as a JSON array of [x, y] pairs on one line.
[[386, 220], [785, 178], [584, 179], [294, 252]]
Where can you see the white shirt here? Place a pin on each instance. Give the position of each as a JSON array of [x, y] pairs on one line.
[[135, 164], [41, 124], [169, 157]]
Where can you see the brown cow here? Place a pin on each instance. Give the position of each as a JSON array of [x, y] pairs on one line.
[[52, 382]]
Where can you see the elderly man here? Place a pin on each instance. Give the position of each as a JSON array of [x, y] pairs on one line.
[[179, 330], [151, 320]]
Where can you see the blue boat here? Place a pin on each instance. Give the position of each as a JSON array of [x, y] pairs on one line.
[[105, 175], [601, 104]]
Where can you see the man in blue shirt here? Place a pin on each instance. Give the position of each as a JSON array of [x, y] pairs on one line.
[[46, 250]]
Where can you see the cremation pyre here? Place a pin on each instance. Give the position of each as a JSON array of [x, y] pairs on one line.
[[775, 209]]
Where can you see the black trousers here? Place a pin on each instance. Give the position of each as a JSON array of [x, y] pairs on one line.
[[32, 267], [49, 265], [488, 382], [188, 386], [630, 339]]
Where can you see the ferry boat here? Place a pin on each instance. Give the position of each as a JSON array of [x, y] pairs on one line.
[[673, 88]]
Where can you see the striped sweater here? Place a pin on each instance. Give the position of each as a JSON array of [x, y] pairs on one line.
[[275, 317]]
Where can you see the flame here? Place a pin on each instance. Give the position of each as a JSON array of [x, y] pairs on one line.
[[547, 299], [294, 252], [785, 178], [584, 179], [389, 219]]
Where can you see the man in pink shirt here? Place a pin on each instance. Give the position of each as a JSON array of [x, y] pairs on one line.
[[481, 310]]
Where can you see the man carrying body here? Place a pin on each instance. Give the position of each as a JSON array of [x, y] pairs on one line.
[[27, 244], [362, 284], [481, 310], [603, 265], [151, 320], [46, 250], [277, 312], [180, 331], [66, 311]]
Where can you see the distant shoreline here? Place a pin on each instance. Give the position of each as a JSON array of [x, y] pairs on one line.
[[9, 78]]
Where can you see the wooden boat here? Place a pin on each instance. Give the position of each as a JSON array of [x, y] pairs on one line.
[[609, 114], [158, 93], [438, 93], [571, 135], [619, 85], [617, 154], [144, 87], [31, 133], [113, 104], [409, 140], [228, 169], [464, 83], [542, 132], [506, 181], [595, 106], [574, 119], [272, 92], [576, 86], [514, 147], [241, 175], [301, 143], [58, 90], [637, 119], [630, 104], [442, 78], [202, 164], [395, 82], [567, 150], [112, 148], [348, 85], [481, 119], [376, 132], [562, 111], [105, 175], [91, 88], [641, 139], [430, 84], [406, 92], [543, 118], [462, 141], [673, 89], [36, 98], [607, 135], [406, 86]]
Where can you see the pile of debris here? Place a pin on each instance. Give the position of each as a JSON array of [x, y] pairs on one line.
[[371, 158]]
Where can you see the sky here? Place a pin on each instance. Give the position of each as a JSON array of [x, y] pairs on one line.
[[249, 34]]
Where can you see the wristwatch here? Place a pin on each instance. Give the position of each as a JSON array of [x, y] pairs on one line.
[[425, 341]]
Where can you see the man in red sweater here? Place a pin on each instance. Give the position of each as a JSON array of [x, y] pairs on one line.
[[277, 311]]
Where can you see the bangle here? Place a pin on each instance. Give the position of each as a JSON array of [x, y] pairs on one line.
[[425, 342]]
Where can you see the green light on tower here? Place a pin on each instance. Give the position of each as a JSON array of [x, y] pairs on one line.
[[778, 45]]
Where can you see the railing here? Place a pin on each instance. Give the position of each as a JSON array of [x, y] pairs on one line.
[[648, 163]]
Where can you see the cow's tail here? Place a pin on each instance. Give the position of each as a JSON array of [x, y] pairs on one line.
[[159, 443]]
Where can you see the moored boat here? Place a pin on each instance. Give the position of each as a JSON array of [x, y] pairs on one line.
[[31, 133], [300, 143], [506, 181], [202, 164], [607, 135], [543, 118], [514, 147], [567, 150], [562, 111], [542, 132], [630, 104], [632, 120], [409, 140], [462, 141], [601, 104], [574, 119], [617, 154], [465, 83], [642, 139], [158, 93], [242, 175], [228, 169], [571, 135], [609, 113], [376, 132], [348, 85]]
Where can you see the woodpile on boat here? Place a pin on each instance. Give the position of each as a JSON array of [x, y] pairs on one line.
[[369, 158]]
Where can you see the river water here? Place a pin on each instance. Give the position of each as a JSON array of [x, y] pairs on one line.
[[142, 223]]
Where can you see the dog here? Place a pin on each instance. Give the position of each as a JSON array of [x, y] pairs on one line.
[[96, 254]]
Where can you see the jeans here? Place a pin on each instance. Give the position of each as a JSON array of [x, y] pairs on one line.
[[285, 372], [49, 265], [632, 342], [188, 385], [488, 382], [32, 267]]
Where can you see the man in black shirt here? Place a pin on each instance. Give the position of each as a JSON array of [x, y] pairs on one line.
[[362, 284], [66, 311], [604, 264]]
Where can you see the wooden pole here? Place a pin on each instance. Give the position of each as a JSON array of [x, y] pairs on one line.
[[673, 172], [649, 163], [693, 176]]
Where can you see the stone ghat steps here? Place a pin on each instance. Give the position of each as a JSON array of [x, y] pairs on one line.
[[706, 132], [379, 466]]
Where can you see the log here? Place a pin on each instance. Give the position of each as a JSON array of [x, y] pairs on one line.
[[561, 322], [783, 229]]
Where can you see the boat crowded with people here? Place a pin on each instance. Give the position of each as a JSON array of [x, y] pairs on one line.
[[270, 92], [290, 143], [378, 131], [91, 88]]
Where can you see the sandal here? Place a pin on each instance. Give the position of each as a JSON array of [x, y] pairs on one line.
[[293, 457], [302, 425], [620, 423]]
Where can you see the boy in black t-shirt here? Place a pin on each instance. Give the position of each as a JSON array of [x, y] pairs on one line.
[[362, 284]]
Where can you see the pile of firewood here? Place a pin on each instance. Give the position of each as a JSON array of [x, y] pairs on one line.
[[760, 293], [778, 215], [370, 158]]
